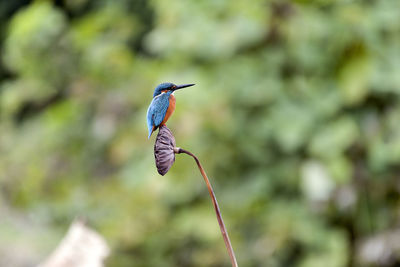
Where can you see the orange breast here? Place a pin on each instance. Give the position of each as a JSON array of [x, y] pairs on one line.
[[170, 110]]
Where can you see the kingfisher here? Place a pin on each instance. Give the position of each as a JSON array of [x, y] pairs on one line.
[[163, 105]]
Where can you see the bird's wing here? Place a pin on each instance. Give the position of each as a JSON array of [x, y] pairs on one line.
[[156, 111], [150, 122], [160, 109]]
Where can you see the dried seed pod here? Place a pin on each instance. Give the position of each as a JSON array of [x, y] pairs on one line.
[[164, 153], [164, 150]]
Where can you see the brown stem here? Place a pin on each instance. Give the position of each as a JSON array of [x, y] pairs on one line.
[[216, 207]]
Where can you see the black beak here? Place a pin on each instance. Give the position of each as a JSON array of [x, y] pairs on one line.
[[183, 86]]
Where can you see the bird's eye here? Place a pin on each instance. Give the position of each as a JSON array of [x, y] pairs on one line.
[[173, 86]]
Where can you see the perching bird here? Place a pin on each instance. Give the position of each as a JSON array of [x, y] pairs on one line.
[[163, 105]]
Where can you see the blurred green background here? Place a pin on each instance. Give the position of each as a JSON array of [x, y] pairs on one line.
[[295, 116]]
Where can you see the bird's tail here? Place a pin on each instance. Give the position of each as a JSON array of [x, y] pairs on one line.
[[151, 131]]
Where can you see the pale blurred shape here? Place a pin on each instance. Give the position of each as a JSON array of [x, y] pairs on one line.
[[81, 247], [380, 249], [104, 127], [345, 198], [316, 182]]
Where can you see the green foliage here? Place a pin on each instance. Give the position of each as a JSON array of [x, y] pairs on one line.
[[294, 115]]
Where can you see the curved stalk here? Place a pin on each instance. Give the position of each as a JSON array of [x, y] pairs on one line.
[[216, 207]]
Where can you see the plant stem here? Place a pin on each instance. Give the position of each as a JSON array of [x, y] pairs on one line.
[[216, 207]]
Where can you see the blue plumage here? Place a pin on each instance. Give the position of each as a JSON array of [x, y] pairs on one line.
[[157, 110], [162, 87]]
